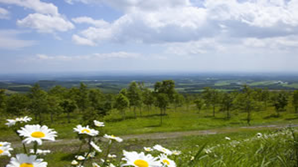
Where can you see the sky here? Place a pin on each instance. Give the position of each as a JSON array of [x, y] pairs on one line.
[[39, 36]]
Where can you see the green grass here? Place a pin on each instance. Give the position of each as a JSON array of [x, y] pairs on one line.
[[244, 149], [294, 85], [264, 83], [180, 120], [223, 83]]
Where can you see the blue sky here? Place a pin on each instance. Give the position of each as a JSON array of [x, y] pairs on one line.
[[152, 35]]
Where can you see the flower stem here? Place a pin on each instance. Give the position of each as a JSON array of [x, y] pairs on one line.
[[25, 150], [108, 151], [35, 147], [90, 148]]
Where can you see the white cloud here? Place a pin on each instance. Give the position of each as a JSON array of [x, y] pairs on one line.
[[131, 5], [82, 41], [89, 20], [92, 57], [117, 55], [45, 23], [4, 14], [36, 5], [274, 43], [10, 41], [153, 27], [261, 13], [47, 18], [194, 48], [181, 21]]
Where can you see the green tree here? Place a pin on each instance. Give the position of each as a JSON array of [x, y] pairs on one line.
[[280, 101], [96, 99], [54, 106], [148, 98], [83, 100], [295, 100], [123, 92], [2, 101], [17, 103], [134, 95], [108, 104], [58, 91], [162, 101], [227, 102], [245, 101], [39, 102], [178, 100], [166, 87], [122, 103], [211, 97], [164, 95], [200, 103], [68, 106]]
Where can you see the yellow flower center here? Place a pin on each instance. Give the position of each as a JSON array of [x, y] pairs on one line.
[[26, 165], [85, 130], [141, 163], [1, 151], [166, 162], [1, 145], [38, 134]]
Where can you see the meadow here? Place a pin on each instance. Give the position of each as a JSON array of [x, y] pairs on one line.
[[244, 148], [248, 126]]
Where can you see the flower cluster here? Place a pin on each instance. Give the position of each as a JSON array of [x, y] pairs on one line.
[[12, 122], [5, 149], [34, 134], [91, 137]]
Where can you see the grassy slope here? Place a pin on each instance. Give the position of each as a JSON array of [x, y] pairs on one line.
[[62, 154], [180, 120]]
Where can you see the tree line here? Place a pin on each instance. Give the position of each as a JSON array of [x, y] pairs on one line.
[[93, 103]]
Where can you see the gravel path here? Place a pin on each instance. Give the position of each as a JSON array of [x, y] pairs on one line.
[[167, 135]]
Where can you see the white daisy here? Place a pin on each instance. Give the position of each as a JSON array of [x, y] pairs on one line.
[[35, 133], [111, 165], [98, 124], [12, 122], [207, 151], [85, 130], [95, 146], [166, 161], [112, 137], [162, 149], [112, 156], [74, 162], [139, 160], [22, 160], [5, 150], [95, 164], [24, 119], [227, 138], [176, 152], [90, 155], [80, 158], [5, 144], [40, 152], [148, 149], [259, 135]]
